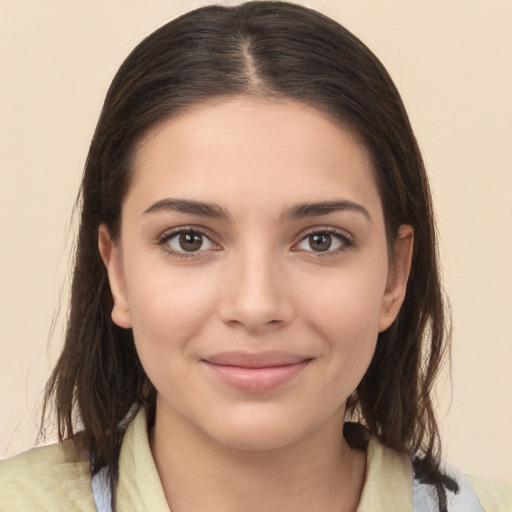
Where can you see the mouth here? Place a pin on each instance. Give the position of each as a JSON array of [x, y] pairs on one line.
[[256, 372]]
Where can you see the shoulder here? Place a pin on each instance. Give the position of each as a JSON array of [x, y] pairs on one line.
[[48, 478], [493, 496], [473, 495], [390, 485]]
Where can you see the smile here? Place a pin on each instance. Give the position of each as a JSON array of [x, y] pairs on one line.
[[256, 373]]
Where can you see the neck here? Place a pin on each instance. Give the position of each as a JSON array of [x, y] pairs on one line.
[[318, 473]]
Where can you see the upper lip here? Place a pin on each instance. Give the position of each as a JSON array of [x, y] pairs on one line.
[[264, 359]]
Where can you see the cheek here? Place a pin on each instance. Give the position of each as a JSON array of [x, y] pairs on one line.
[[346, 312], [349, 301], [169, 307]]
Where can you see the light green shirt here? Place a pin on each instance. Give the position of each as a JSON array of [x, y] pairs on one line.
[[56, 479]]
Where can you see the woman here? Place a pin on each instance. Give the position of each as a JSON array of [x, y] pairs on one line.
[[256, 264]]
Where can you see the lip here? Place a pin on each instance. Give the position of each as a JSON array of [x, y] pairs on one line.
[[256, 372]]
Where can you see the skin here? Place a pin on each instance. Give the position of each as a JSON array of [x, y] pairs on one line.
[[258, 282]]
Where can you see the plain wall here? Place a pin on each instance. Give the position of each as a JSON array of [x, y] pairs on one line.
[[451, 60]]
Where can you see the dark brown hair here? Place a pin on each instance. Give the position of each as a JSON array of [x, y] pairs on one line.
[[276, 50]]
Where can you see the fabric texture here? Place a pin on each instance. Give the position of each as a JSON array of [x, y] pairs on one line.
[[56, 478]]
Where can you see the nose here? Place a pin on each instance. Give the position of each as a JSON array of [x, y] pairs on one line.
[[255, 294]]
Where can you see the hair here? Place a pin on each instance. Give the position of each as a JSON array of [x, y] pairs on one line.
[[269, 50]]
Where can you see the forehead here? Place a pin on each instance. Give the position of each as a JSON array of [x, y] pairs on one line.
[[256, 149]]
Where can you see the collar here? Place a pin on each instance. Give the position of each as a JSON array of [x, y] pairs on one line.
[[388, 484]]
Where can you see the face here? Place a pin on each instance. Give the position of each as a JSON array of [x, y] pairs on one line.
[[252, 266]]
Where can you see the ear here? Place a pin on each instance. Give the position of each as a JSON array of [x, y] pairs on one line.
[[112, 258], [398, 275]]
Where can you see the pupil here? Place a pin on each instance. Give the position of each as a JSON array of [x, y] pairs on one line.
[[320, 242], [190, 242]]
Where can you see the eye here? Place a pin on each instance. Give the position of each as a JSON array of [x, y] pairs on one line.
[[325, 241], [186, 242]]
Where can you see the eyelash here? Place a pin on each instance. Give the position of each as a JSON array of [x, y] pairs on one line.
[[163, 241], [346, 240]]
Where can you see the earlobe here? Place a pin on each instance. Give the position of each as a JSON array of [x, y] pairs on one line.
[[112, 259], [397, 277]]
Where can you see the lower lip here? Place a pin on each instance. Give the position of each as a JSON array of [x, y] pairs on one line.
[[257, 380]]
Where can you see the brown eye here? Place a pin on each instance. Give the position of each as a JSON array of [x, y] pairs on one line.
[[184, 242], [320, 242], [190, 242], [327, 241]]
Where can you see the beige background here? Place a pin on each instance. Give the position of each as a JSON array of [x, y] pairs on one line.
[[452, 63]]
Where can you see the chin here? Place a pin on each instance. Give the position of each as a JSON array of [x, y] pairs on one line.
[[259, 440], [257, 431]]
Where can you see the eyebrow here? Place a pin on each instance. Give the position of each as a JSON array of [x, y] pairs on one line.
[[297, 212], [304, 210], [191, 207]]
